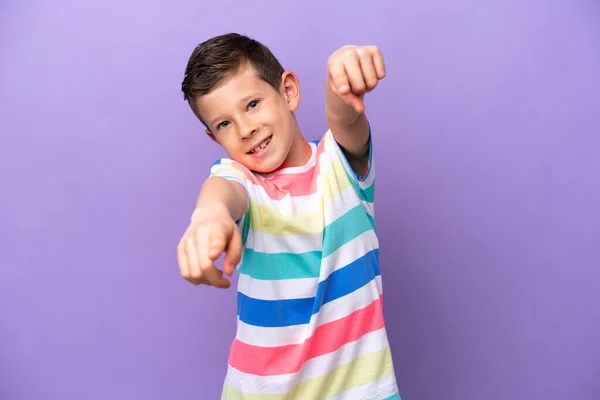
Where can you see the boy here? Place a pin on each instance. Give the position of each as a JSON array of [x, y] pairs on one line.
[[298, 219]]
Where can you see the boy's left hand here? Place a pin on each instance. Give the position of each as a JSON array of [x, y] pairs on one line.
[[354, 71]]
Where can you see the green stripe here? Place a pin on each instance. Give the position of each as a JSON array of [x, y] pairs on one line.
[[276, 266], [246, 226], [347, 227], [367, 194]]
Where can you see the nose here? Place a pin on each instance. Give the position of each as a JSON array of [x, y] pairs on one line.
[[247, 128]]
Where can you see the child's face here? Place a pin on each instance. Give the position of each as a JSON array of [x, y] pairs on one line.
[[252, 121]]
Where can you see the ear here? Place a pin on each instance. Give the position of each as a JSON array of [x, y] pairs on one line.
[[211, 136], [290, 88]]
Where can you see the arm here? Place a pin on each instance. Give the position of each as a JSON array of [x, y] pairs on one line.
[[352, 72], [221, 195], [213, 231]]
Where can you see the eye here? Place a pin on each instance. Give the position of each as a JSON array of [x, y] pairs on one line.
[[253, 104], [223, 124]]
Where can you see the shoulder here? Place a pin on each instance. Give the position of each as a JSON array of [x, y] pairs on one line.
[[227, 166]]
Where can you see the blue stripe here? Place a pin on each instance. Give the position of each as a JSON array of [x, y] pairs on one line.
[[395, 396], [346, 280], [279, 313]]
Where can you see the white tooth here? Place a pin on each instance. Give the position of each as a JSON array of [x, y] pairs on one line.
[[261, 146]]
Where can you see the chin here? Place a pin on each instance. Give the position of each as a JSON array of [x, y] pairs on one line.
[[265, 168]]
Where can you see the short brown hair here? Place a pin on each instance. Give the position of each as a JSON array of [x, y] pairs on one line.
[[217, 58]]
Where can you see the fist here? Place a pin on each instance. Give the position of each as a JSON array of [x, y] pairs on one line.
[[354, 71], [210, 234]]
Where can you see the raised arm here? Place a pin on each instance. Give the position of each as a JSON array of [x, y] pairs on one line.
[[352, 72]]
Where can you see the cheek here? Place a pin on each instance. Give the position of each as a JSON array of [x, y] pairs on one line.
[[229, 141]]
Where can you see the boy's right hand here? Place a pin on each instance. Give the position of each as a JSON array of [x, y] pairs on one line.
[[211, 232]]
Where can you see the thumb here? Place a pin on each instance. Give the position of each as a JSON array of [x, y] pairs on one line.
[[354, 101], [217, 243], [234, 252]]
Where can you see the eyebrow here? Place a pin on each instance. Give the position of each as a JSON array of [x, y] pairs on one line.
[[244, 99]]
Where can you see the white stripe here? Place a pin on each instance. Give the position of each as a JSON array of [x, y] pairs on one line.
[[348, 253], [370, 177], [369, 208], [333, 209], [295, 170], [377, 390], [302, 288], [348, 199], [284, 289], [307, 203], [313, 368], [295, 334], [269, 243], [339, 206]]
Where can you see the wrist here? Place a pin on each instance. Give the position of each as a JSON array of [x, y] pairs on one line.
[[213, 210]]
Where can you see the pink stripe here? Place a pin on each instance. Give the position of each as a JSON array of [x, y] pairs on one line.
[[284, 185], [327, 338]]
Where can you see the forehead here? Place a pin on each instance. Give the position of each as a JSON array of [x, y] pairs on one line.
[[233, 90]]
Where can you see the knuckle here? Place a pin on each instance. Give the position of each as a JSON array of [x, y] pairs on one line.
[[333, 66], [196, 276], [359, 85], [218, 241], [205, 265], [371, 83], [198, 281], [217, 237], [202, 229]]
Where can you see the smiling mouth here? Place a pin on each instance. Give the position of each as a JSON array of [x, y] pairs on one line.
[[261, 146]]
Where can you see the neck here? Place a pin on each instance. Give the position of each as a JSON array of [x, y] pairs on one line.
[[299, 153]]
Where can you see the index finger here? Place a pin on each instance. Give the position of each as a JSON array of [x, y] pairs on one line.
[[184, 268], [234, 252], [215, 277], [207, 265]]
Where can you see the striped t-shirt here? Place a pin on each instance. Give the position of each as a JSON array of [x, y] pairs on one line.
[[309, 301]]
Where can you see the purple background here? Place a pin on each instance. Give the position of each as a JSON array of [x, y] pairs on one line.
[[488, 143]]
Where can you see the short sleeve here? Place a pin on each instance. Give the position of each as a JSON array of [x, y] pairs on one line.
[[365, 186], [233, 171], [230, 170]]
